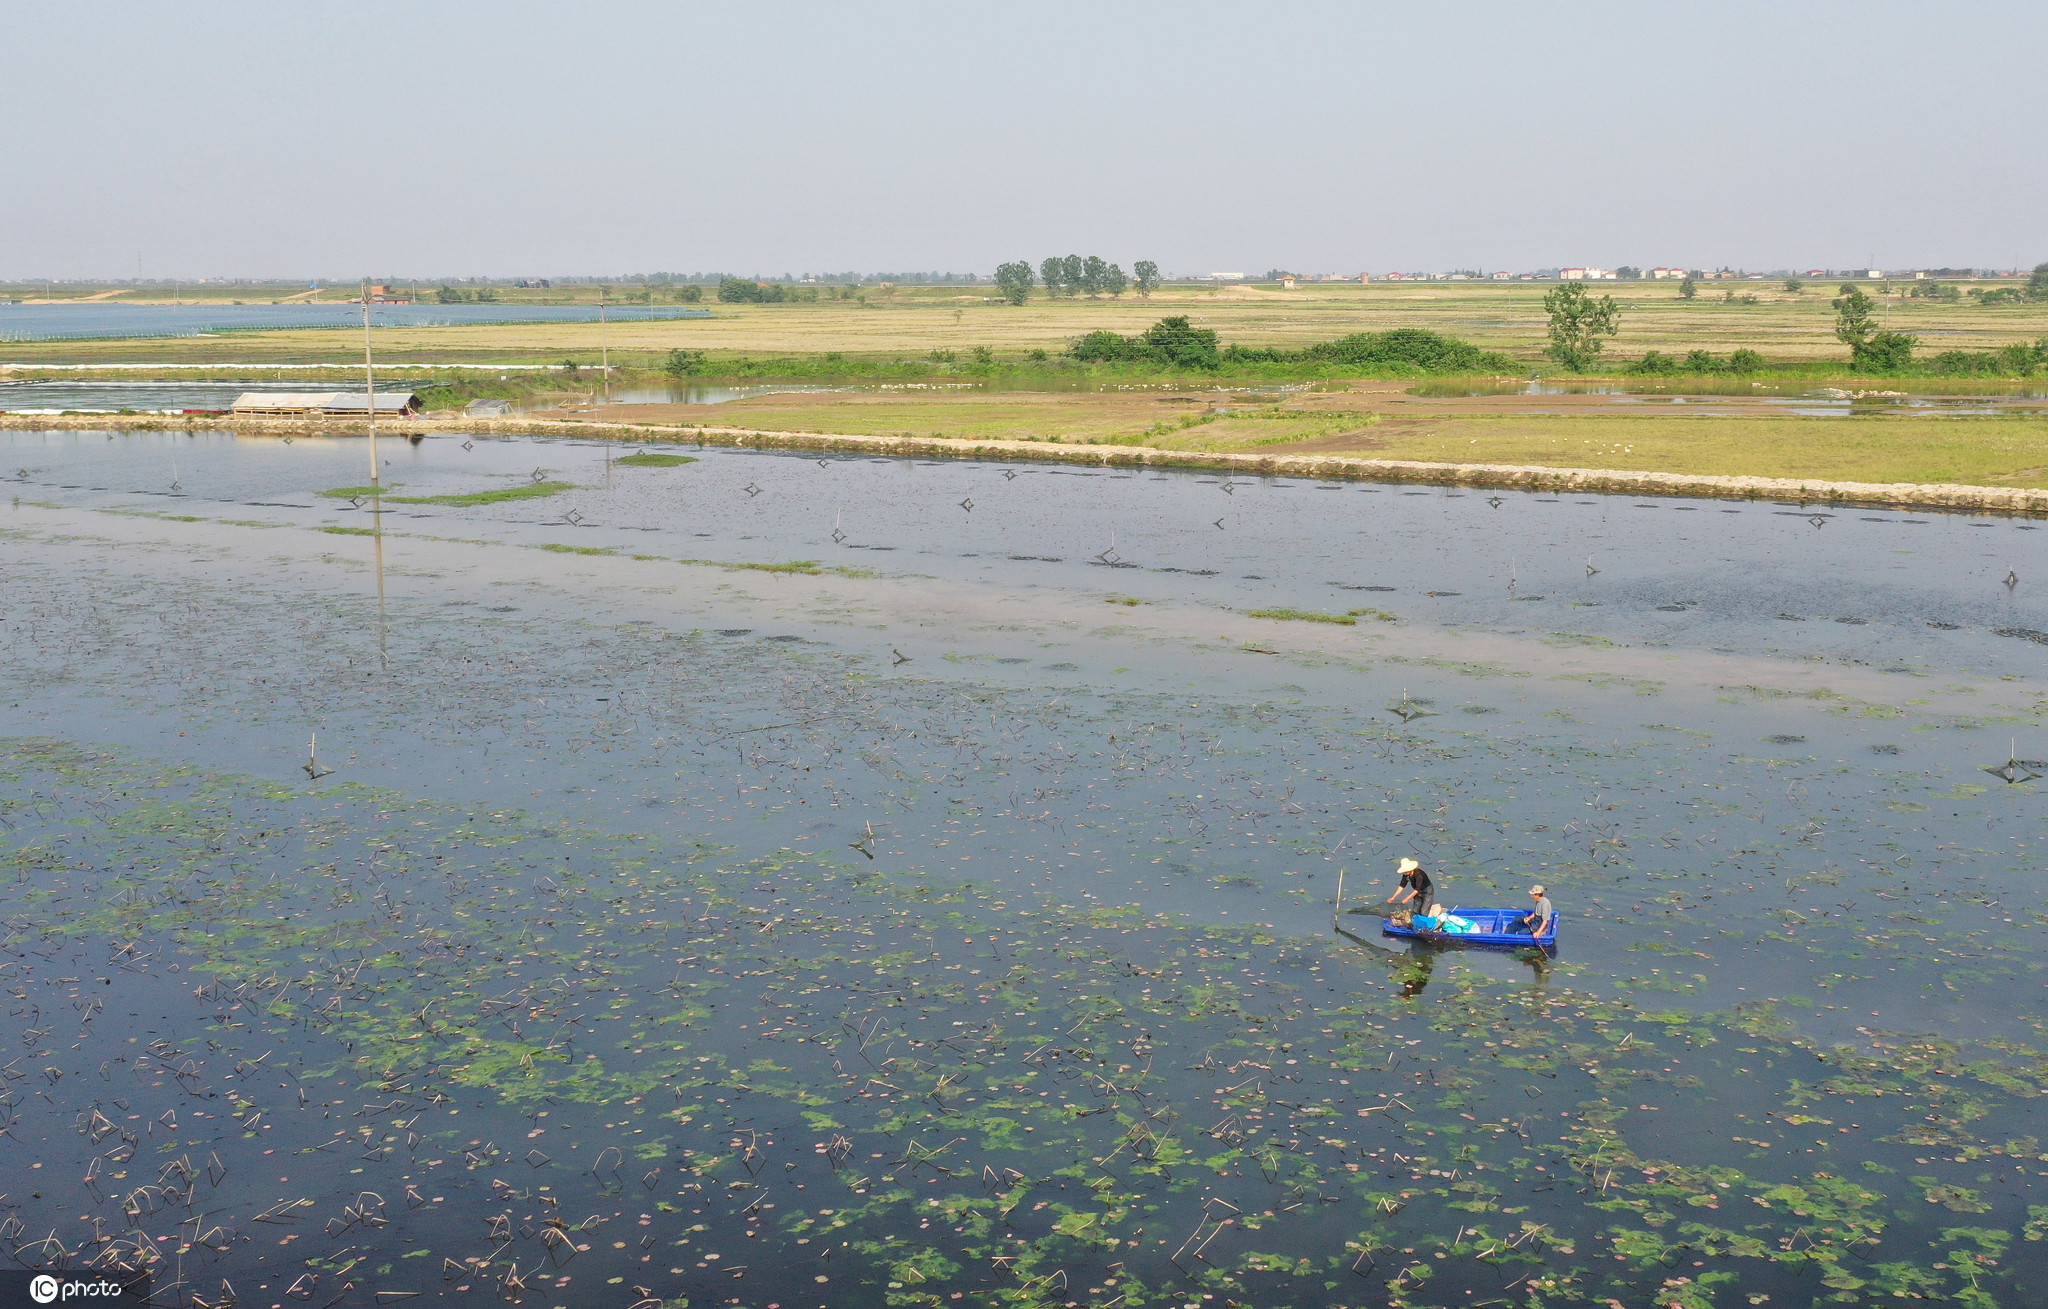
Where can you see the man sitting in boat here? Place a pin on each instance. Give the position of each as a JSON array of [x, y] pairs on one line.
[[1414, 885], [1537, 921]]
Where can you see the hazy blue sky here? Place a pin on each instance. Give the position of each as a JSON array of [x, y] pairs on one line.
[[425, 139]]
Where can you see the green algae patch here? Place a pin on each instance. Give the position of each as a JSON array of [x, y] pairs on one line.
[[650, 459], [467, 500], [359, 492], [1347, 619]]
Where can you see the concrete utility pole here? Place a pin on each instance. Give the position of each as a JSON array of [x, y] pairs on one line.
[[604, 346], [370, 387]]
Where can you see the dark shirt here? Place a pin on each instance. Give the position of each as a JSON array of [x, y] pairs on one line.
[[1420, 883]]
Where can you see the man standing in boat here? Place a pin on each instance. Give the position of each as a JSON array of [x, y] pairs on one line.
[[1414, 888]]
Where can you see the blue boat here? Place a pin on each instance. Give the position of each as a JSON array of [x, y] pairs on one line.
[[1492, 930]]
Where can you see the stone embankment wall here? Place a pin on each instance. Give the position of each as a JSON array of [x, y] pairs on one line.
[[1902, 495]]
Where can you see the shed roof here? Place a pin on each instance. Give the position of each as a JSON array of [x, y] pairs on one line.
[[323, 402]]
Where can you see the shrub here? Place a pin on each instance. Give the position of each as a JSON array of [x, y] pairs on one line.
[[1884, 352], [1745, 361], [1427, 351], [1170, 342], [1654, 364], [1404, 352]]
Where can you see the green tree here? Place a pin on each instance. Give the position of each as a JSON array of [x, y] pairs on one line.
[[1871, 348], [683, 363], [1147, 276], [1014, 281], [2037, 285], [1688, 288], [1113, 280], [1855, 319], [1577, 322], [1745, 361], [1072, 269], [1794, 285], [1094, 274], [1053, 273]]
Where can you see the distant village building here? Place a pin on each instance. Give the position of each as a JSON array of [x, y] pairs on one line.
[[1666, 274], [1226, 277], [1585, 275], [1287, 283], [321, 404], [1503, 277]]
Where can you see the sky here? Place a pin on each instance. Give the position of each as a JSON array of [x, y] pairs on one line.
[[509, 139]]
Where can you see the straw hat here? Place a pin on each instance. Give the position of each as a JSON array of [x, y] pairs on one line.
[[1537, 890], [1409, 865]]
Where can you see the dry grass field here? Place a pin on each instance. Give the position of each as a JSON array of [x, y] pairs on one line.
[[1743, 437], [910, 322]]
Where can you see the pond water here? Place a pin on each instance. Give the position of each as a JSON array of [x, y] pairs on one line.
[[161, 396], [796, 880], [69, 322]]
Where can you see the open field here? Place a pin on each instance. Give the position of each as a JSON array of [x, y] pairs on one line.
[[909, 323], [1744, 429], [1385, 423]]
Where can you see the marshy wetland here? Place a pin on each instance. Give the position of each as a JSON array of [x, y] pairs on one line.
[[781, 880]]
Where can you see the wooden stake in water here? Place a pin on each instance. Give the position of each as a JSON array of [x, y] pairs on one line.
[[370, 386], [1338, 908]]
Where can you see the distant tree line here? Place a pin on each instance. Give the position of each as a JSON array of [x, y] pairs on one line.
[[1075, 275], [1177, 343], [741, 291]]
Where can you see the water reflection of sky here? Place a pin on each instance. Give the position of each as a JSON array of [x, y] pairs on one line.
[[62, 322], [1540, 632], [1742, 743]]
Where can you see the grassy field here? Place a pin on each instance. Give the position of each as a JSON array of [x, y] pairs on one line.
[[1389, 422], [909, 323]]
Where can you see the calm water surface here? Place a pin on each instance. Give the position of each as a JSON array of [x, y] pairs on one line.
[[774, 879]]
